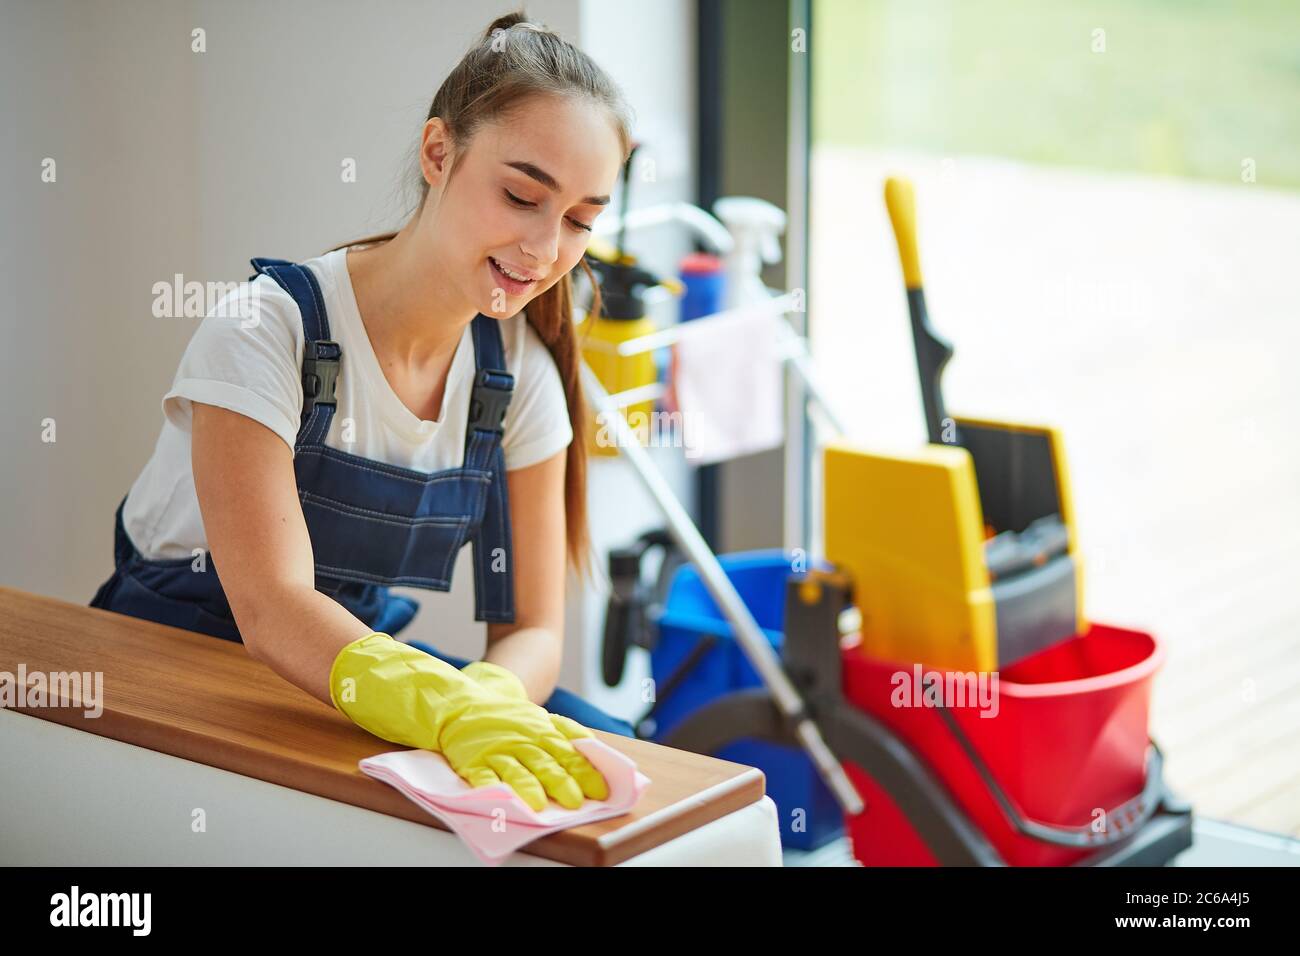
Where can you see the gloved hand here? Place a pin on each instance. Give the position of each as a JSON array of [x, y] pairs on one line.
[[404, 695], [496, 678]]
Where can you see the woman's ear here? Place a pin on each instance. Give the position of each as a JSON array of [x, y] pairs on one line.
[[435, 151]]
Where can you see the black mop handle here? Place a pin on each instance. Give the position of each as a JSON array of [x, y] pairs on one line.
[[932, 350]]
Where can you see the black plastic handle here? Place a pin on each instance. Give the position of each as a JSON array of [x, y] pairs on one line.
[[1121, 821]]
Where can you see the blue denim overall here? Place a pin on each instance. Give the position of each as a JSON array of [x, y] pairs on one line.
[[372, 525]]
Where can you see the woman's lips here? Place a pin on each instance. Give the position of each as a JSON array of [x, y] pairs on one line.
[[512, 286]]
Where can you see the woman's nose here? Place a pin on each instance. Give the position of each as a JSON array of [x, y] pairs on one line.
[[542, 247]]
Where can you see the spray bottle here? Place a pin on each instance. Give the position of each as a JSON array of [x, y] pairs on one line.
[[756, 227]]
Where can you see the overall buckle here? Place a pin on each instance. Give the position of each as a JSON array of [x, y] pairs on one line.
[[320, 374], [493, 389]]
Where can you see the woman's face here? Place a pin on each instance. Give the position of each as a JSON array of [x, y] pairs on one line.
[[522, 200]]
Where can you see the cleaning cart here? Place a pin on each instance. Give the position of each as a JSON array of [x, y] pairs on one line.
[[1001, 728]]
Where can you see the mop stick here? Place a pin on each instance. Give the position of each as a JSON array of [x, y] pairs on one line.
[[751, 637]]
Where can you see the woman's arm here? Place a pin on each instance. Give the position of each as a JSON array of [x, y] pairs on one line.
[[257, 537], [532, 646]]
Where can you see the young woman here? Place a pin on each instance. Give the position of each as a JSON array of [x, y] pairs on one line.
[[354, 420]]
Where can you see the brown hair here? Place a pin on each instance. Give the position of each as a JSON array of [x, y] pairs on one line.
[[513, 60]]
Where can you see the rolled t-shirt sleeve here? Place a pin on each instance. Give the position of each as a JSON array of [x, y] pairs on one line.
[[537, 421], [245, 356]]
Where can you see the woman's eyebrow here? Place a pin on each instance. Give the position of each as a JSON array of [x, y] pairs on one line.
[[547, 180]]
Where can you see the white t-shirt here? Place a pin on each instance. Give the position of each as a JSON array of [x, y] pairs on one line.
[[248, 358]]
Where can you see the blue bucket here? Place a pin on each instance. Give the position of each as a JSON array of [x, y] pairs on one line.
[[808, 813]]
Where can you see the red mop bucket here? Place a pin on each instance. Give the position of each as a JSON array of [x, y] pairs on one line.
[[1055, 772]]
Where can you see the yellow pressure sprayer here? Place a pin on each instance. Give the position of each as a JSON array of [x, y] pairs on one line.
[[622, 318]]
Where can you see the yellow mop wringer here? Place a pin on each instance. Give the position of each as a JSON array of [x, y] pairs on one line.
[[973, 565]]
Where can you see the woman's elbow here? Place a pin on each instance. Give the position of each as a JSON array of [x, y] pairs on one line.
[[256, 618]]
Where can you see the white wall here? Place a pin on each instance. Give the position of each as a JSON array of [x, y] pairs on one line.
[[171, 161]]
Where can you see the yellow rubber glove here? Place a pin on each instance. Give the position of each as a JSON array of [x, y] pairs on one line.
[[496, 678], [404, 695]]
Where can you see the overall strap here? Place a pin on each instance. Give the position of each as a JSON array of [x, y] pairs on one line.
[[493, 389], [494, 589], [321, 357]]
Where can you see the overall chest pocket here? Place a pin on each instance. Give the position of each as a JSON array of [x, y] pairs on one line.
[[355, 543]]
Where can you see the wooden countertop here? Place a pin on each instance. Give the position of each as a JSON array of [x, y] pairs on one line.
[[204, 699]]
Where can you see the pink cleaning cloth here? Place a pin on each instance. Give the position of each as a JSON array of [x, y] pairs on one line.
[[727, 383], [494, 821]]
